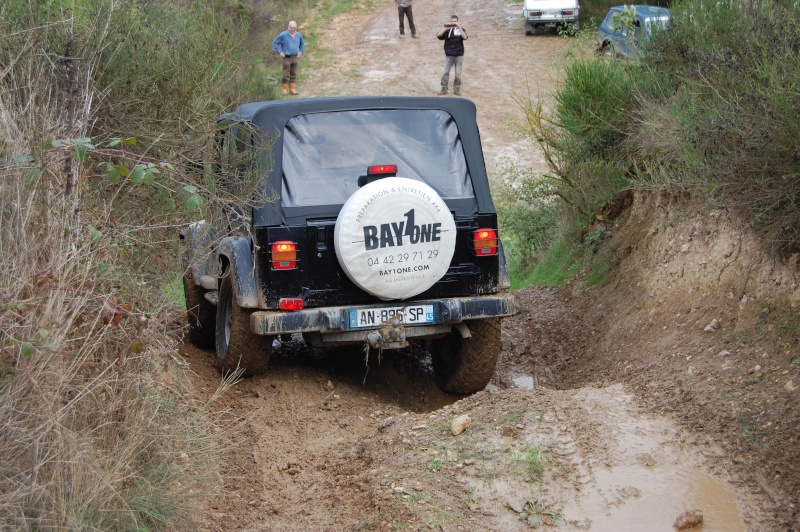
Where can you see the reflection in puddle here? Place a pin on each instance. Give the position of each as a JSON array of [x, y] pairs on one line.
[[651, 480], [630, 497], [609, 467]]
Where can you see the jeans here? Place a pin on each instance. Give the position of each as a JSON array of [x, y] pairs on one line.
[[289, 69], [450, 61], [407, 11]]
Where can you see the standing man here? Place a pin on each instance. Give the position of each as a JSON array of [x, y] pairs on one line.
[[404, 8], [290, 45], [453, 36]]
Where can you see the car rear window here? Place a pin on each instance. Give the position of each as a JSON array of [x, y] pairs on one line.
[[325, 153]]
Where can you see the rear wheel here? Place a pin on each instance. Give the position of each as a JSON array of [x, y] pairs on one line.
[[200, 313], [237, 346], [466, 365]]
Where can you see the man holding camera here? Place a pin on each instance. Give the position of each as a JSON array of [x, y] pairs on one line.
[[404, 9], [453, 36]]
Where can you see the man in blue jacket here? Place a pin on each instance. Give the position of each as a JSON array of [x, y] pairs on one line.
[[290, 45], [453, 36]]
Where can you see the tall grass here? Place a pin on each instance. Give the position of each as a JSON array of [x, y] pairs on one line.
[[100, 430]]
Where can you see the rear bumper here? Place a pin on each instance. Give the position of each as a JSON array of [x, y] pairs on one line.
[[335, 320], [550, 18]]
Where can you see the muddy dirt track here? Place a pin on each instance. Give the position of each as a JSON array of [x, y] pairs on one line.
[[605, 411]]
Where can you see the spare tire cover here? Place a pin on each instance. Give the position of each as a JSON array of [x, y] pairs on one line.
[[395, 237]]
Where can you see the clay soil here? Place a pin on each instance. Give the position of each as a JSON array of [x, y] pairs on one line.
[[672, 387]]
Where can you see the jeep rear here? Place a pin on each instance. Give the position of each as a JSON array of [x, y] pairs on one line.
[[376, 226]]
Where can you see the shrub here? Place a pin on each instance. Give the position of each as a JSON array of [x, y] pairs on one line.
[[100, 430], [709, 107]]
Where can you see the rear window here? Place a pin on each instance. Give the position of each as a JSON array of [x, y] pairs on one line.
[[325, 153]]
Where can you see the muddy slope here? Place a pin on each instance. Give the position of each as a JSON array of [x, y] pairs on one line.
[[617, 408]]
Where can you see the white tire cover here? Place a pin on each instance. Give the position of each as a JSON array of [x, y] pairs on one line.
[[395, 237]]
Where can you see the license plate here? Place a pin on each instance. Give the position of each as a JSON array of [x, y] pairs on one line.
[[371, 317]]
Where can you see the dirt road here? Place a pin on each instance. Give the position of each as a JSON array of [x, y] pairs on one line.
[[364, 55], [332, 443]]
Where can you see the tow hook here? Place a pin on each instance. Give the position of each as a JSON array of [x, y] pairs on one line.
[[391, 335], [374, 339], [462, 328]]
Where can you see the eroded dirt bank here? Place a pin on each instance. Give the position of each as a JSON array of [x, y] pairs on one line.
[[672, 388]]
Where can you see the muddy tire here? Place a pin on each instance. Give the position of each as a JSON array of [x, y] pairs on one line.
[[200, 313], [466, 365], [237, 346]]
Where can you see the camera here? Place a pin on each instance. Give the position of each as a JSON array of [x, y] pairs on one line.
[[449, 25]]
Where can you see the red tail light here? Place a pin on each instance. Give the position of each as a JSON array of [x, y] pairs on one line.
[[484, 242], [382, 169], [536, 13], [284, 255], [291, 303], [567, 12]]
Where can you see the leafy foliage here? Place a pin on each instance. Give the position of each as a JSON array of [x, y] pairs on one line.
[[709, 106]]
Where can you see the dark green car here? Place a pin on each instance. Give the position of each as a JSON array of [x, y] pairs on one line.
[[626, 28]]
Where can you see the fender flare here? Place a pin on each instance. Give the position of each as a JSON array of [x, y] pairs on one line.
[[195, 238], [239, 253], [504, 282]]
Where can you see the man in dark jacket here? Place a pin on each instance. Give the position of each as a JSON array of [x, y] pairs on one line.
[[404, 9], [453, 36]]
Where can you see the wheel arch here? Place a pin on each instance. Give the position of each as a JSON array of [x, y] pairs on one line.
[[236, 253], [194, 236]]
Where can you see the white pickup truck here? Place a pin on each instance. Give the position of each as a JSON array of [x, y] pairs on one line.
[[549, 14]]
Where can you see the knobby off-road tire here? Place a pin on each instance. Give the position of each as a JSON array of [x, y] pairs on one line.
[[200, 313], [237, 346], [466, 365]]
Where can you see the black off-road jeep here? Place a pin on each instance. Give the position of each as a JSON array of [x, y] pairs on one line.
[[373, 225]]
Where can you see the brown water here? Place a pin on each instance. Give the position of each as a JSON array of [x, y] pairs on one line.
[[633, 474]]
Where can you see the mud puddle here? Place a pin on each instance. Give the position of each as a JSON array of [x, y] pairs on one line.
[[648, 475], [633, 469]]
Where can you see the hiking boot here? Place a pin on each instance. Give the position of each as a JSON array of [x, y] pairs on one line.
[[457, 92], [414, 36], [402, 35], [443, 92]]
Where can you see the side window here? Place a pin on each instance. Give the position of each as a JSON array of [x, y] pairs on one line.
[[242, 156], [234, 161]]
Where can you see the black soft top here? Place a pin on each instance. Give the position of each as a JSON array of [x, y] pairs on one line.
[[270, 118]]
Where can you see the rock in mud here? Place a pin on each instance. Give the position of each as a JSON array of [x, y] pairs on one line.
[[460, 424], [689, 519], [516, 506]]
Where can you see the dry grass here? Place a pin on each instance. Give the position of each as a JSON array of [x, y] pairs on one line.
[[98, 427]]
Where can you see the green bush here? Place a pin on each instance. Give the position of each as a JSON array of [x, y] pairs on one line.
[[709, 107], [527, 211]]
